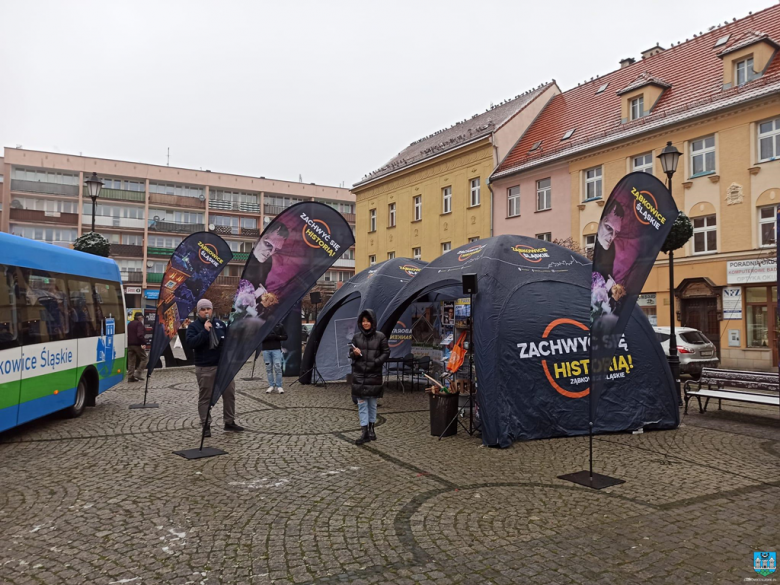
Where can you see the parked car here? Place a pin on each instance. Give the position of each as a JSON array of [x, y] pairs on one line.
[[693, 348]]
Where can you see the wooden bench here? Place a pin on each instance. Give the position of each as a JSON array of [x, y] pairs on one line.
[[754, 387]]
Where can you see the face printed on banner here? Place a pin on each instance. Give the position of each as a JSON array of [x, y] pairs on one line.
[[610, 226], [270, 244]]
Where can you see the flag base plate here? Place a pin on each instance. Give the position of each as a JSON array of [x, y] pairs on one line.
[[147, 405], [251, 379], [200, 453], [595, 481]]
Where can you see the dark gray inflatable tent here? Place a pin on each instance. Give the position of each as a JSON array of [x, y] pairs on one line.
[[372, 288], [531, 340]]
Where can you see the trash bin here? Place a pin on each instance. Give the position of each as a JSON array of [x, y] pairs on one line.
[[444, 409]]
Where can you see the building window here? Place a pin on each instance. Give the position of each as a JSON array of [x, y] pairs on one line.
[[446, 200], [418, 208], [391, 215], [371, 260], [704, 235], [446, 247], [643, 163], [349, 254], [543, 194], [637, 107], [703, 156], [474, 192], [743, 71], [417, 253], [372, 220], [590, 245], [593, 183], [391, 255], [473, 239], [176, 190], [545, 237], [757, 300], [767, 217], [769, 140], [513, 201]]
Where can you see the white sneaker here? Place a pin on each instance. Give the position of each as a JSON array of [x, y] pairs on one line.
[[281, 390], [270, 390]]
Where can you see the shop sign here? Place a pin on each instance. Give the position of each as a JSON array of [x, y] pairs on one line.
[[732, 302], [646, 300], [133, 290], [751, 271], [152, 294]]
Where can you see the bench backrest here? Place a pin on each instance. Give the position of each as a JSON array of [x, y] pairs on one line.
[[739, 379]]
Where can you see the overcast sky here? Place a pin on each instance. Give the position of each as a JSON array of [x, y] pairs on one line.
[[326, 89]]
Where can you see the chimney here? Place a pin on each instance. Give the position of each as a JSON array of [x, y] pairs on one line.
[[626, 62], [652, 51]]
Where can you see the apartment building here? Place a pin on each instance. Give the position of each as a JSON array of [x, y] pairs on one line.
[[432, 196], [145, 211], [716, 98]]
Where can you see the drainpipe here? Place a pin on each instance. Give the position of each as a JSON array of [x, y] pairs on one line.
[[491, 206]]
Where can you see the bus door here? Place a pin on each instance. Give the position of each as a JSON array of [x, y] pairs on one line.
[[10, 352], [49, 355]]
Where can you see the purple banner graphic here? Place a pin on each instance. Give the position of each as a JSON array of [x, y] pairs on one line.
[[193, 267], [296, 248], [636, 220]]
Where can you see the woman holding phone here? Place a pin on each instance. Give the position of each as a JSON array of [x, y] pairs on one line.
[[368, 352]]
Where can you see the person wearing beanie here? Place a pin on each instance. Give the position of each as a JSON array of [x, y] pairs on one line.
[[207, 348]]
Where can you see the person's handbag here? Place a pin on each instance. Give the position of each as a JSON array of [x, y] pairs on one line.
[[458, 354]]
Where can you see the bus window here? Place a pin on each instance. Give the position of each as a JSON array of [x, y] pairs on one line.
[[44, 315], [8, 328], [108, 303], [82, 309]]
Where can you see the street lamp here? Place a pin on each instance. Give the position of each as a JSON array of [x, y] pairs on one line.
[[669, 158], [94, 185]]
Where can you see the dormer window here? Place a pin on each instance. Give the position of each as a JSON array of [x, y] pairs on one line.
[[743, 71], [637, 107]]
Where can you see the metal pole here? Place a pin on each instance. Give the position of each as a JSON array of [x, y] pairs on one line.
[[93, 215], [674, 359]]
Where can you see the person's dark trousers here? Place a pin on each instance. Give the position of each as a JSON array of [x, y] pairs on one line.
[[206, 376]]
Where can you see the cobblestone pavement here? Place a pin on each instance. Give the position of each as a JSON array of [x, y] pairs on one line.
[[102, 499]]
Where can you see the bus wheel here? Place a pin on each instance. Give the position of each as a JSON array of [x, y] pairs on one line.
[[81, 400]]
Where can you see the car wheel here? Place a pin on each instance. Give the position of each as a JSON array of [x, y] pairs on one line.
[[81, 400]]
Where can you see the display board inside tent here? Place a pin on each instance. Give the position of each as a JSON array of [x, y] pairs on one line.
[[531, 337]]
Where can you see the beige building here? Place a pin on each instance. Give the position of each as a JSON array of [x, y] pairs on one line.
[[146, 210]]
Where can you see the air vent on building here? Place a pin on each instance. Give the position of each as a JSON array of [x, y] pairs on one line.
[[568, 134], [602, 88], [722, 41]]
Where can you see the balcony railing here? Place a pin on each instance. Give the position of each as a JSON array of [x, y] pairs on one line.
[[273, 209], [234, 206], [133, 277], [127, 250], [232, 230], [154, 277], [177, 200], [155, 251], [350, 217], [240, 256], [344, 263], [175, 227], [253, 232], [41, 187], [40, 216], [122, 195], [227, 280]]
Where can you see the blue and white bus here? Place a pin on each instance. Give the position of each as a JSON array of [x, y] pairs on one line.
[[62, 329]]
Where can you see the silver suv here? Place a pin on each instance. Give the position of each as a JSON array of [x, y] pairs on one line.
[[693, 348]]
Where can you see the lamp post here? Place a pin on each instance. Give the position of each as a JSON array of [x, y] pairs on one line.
[[669, 158], [94, 184]]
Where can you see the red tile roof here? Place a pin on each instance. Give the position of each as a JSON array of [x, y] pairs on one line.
[[642, 80], [694, 71], [464, 132], [745, 40]]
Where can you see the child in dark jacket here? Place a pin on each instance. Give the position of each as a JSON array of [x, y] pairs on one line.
[[368, 353]]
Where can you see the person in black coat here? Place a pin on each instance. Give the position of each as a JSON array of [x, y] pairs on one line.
[[369, 351]]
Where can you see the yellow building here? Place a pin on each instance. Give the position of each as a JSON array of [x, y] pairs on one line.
[[725, 120], [433, 196]]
